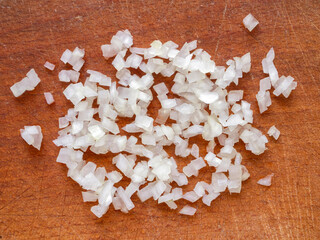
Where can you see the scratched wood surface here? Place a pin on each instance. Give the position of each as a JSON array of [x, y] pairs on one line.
[[38, 201]]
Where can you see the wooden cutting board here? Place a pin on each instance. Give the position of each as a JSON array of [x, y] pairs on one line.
[[38, 201]]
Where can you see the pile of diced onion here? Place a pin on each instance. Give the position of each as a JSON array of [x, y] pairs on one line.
[[201, 106]]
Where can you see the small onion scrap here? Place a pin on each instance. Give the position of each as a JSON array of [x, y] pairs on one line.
[[187, 210], [274, 132], [49, 66], [250, 22], [266, 181], [49, 98]]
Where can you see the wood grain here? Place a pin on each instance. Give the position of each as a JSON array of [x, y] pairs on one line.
[[38, 201]]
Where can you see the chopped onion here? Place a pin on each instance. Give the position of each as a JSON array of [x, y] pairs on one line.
[[75, 59], [89, 196], [265, 84], [195, 150], [202, 105], [284, 86], [274, 132], [187, 210], [250, 22], [99, 210], [235, 96], [264, 100], [69, 75], [191, 196], [49, 98], [26, 84], [66, 56], [49, 66], [207, 199], [266, 181], [126, 200], [32, 135]]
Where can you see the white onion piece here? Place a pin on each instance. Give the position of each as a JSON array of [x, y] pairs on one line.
[[191, 196], [264, 100], [100, 78], [192, 131], [168, 103], [208, 97], [255, 141], [245, 173], [158, 189], [224, 165], [250, 22], [75, 58], [144, 122], [172, 204], [176, 194], [165, 198], [187, 210], [89, 196], [127, 201], [134, 61], [235, 96], [131, 189], [66, 56], [274, 132], [63, 122], [26, 84], [68, 75], [269, 67], [114, 176], [106, 194], [32, 135], [198, 163], [195, 150], [235, 178], [49, 98], [284, 86], [266, 181], [110, 125], [212, 160], [122, 40], [123, 165], [199, 189], [137, 50], [96, 132], [208, 198], [265, 84], [146, 192], [49, 66], [99, 210], [246, 63], [219, 182], [161, 88]]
